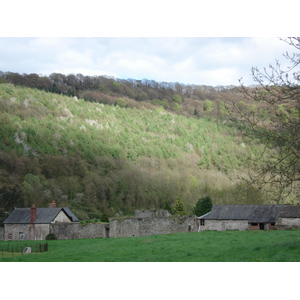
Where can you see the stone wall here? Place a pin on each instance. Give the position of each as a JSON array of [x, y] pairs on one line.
[[288, 223], [151, 226], [161, 213], [64, 231], [1, 233], [16, 232], [116, 228], [225, 225]]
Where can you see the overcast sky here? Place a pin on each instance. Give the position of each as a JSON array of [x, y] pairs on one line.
[[166, 40], [208, 61]]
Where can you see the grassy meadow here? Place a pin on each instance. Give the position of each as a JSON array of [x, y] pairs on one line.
[[209, 246]]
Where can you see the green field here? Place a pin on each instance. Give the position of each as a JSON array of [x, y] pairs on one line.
[[209, 246]]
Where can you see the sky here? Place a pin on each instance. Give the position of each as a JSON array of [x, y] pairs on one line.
[[188, 60], [214, 43]]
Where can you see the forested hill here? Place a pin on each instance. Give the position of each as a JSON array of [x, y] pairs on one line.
[[185, 99], [102, 152]]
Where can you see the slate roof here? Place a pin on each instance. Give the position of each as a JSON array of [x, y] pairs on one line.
[[43, 215], [252, 213], [290, 211]]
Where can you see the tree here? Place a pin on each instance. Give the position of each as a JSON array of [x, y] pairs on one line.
[[208, 105], [278, 94], [203, 206], [168, 207], [179, 208], [11, 197]]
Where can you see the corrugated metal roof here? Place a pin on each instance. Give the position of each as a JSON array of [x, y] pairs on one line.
[[43, 215], [252, 213]]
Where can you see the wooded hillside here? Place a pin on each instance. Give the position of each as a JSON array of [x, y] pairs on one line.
[[105, 147]]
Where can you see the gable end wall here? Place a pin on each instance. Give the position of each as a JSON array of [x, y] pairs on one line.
[[62, 218]]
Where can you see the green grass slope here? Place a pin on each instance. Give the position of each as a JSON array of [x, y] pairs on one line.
[[210, 246]]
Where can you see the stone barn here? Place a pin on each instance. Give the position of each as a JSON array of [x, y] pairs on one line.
[[34, 223], [250, 217]]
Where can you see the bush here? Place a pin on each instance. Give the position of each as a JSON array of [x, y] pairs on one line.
[[104, 218], [203, 206], [179, 208], [51, 236]]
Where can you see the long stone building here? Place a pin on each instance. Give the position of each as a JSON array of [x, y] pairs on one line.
[[251, 217]]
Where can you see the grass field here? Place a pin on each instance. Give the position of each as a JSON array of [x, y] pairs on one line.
[[209, 246]]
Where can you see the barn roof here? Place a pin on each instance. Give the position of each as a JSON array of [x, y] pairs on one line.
[[252, 213], [290, 211], [43, 215]]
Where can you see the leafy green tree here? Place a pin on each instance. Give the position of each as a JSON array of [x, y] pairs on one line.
[[168, 207], [104, 218], [176, 98], [179, 208], [208, 105], [10, 197], [33, 188], [278, 93], [203, 206]]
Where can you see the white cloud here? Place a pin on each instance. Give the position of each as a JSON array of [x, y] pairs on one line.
[[209, 61], [74, 58]]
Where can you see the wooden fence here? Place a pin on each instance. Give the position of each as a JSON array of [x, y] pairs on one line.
[[8, 249]]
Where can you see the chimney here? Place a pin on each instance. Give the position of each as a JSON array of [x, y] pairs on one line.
[[52, 204], [32, 213]]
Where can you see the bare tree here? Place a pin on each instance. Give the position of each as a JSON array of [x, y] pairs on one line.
[[277, 93]]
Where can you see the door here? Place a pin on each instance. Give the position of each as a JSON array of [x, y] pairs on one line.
[[261, 226]]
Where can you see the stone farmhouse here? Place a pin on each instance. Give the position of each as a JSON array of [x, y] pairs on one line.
[[251, 217], [34, 223]]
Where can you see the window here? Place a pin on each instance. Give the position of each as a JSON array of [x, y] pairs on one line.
[[253, 224], [202, 222], [21, 236]]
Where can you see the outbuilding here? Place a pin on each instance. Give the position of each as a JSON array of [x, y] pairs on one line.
[[250, 217], [34, 223]]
